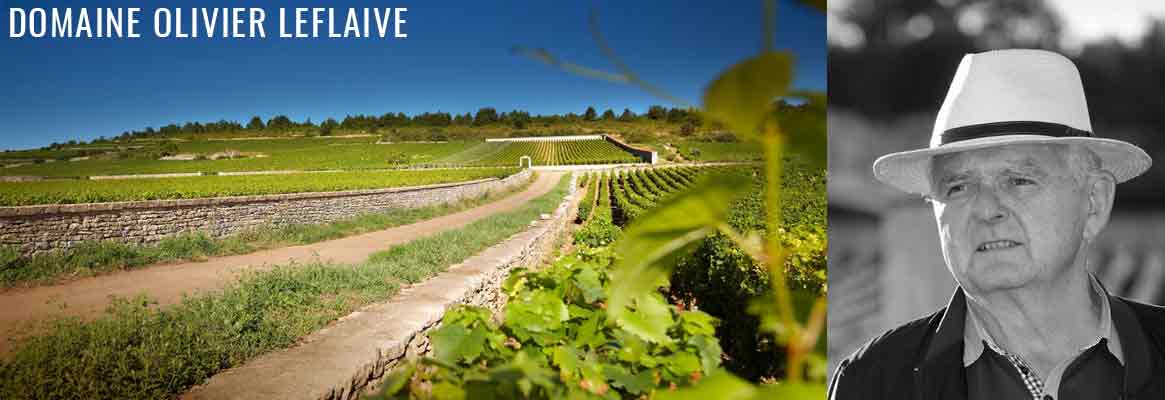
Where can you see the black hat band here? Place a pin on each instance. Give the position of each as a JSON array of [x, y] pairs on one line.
[[1008, 128]]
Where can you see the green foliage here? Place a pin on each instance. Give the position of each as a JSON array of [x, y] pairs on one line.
[[328, 126], [648, 244], [719, 151], [69, 192], [590, 114], [656, 112], [721, 276], [599, 229], [256, 123], [556, 341], [725, 386], [804, 128], [141, 352], [742, 96], [745, 99], [585, 205], [723, 279], [485, 115]]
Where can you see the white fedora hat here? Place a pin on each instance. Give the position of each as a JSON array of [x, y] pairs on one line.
[[1006, 97]]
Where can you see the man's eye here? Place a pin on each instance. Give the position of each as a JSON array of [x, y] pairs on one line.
[[1022, 181], [956, 189]]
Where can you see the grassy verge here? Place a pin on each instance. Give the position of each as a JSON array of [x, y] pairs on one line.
[[139, 352], [92, 258]]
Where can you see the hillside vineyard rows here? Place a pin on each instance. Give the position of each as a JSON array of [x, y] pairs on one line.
[[86, 191], [557, 153], [555, 325], [349, 163], [299, 154]]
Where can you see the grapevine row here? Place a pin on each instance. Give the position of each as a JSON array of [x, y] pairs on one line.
[[637, 191], [589, 184], [558, 153], [599, 229]]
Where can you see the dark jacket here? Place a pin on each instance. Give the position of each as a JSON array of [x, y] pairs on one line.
[[920, 361]]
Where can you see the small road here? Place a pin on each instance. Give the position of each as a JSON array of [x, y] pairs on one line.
[[22, 311]]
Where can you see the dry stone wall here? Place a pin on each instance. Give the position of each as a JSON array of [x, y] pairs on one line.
[[36, 229], [352, 356], [537, 244]]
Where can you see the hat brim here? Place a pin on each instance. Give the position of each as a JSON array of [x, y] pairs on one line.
[[909, 171]]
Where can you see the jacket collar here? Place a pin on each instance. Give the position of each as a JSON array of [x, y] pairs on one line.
[[1139, 351], [974, 334], [948, 332], [939, 370]]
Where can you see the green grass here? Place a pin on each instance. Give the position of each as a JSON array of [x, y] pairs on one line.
[[140, 352], [97, 257], [477, 152], [86, 191], [718, 151]]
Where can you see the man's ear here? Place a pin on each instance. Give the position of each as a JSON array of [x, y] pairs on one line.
[[1101, 191]]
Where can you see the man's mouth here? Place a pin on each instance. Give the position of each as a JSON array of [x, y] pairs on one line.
[[998, 245]]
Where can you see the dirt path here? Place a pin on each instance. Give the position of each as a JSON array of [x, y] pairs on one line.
[[22, 309]]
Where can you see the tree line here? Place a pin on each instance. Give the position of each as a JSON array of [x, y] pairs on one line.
[[517, 119]]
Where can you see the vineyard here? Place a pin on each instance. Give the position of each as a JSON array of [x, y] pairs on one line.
[[297, 154], [719, 151], [300, 154], [555, 340], [85, 191], [717, 274], [572, 152]]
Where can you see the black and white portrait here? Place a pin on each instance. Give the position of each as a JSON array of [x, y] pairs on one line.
[[996, 216]]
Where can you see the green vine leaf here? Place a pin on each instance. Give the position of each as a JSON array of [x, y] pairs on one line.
[[650, 320], [632, 383], [742, 97], [709, 349], [787, 390], [664, 231], [453, 342], [566, 359], [397, 381], [720, 385]]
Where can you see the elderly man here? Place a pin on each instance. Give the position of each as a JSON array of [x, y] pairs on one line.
[[1020, 187]]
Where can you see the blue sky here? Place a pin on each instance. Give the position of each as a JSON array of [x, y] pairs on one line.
[[456, 59]]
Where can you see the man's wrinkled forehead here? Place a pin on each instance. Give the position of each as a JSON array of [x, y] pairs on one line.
[[1031, 158]]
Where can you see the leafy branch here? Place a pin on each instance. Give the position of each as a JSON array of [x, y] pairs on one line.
[[743, 98]]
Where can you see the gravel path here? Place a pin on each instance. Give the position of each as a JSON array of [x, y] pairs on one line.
[[23, 310]]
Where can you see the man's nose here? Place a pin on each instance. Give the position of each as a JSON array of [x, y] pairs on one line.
[[988, 206]]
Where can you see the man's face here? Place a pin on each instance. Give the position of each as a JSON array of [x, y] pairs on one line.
[[1008, 216]]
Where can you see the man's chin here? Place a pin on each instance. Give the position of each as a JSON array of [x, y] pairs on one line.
[[996, 277]]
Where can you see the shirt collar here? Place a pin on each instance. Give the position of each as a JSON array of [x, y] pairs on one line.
[[974, 335]]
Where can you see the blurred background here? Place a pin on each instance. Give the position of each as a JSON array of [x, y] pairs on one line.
[[890, 64]]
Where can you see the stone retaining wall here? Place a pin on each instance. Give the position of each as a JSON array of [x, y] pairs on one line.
[[646, 155], [352, 356], [48, 227], [537, 245]]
